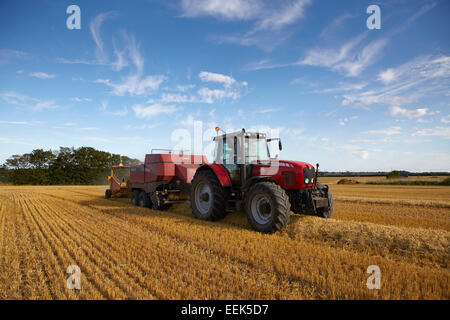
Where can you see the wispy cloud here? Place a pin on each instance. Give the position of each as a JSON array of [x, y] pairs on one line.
[[424, 75], [149, 111], [7, 54], [269, 18], [28, 102], [76, 99], [42, 75], [21, 123], [335, 25], [95, 27], [388, 132], [103, 106], [437, 132], [135, 83], [351, 58]]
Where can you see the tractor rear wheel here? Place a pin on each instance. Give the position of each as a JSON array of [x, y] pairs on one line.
[[207, 196], [135, 197], [267, 207], [143, 200]]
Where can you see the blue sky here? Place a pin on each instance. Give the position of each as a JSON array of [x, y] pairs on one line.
[[138, 72]]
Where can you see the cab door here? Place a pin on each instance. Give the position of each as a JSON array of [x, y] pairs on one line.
[[230, 159]]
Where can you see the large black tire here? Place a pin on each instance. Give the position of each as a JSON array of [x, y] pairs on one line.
[[327, 212], [135, 197], [157, 202], [143, 200], [208, 201], [107, 194], [267, 207]]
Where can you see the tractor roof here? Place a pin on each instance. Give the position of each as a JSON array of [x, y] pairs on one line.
[[255, 135]]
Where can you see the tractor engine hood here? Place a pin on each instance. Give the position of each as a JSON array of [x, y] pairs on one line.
[[288, 174]]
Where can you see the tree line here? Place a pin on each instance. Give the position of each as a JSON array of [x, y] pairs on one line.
[[66, 166]]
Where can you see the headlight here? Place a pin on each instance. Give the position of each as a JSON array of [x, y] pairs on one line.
[[306, 181], [312, 180]]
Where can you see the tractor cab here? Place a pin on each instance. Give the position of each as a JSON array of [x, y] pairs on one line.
[[240, 150]]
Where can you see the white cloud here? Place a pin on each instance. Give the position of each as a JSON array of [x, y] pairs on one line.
[[207, 95], [389, 132], [445, 119], [268, 110], [364, 154], [231, 90], [184, 88], [372, 141], [229, 10], [216, 77], [438, 132], [70, 124], [188, 122], [42, 75], [149, 111], [104, 105], [20, 123], [76, 99], [396, 110], [387, 76], [178, 98]]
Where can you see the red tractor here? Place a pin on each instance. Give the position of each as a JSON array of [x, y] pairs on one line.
[[242, 176]]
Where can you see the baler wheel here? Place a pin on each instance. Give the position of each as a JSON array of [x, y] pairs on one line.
[[107, 194], [267, 207], [143, 200], [207, 197], [135, 197]]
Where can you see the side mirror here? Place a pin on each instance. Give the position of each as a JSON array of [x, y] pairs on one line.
[[280, 146]]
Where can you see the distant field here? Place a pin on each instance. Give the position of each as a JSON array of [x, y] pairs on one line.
[[127, 252], [334, 180]]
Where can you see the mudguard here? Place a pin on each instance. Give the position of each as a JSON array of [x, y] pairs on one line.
[[220, 172]]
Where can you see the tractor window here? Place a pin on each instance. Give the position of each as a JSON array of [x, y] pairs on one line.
[[228, 151], [256, 150]]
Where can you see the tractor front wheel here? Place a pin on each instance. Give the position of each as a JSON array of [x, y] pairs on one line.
[[207, 196], [328, 211], [267, 207]]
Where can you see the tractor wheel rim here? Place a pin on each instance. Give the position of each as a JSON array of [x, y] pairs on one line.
[[261, 208], [203, 197]]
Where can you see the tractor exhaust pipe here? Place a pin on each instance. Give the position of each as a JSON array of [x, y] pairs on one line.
[[315, 175]]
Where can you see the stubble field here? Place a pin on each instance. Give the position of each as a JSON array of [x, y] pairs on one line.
[[127, 252]]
